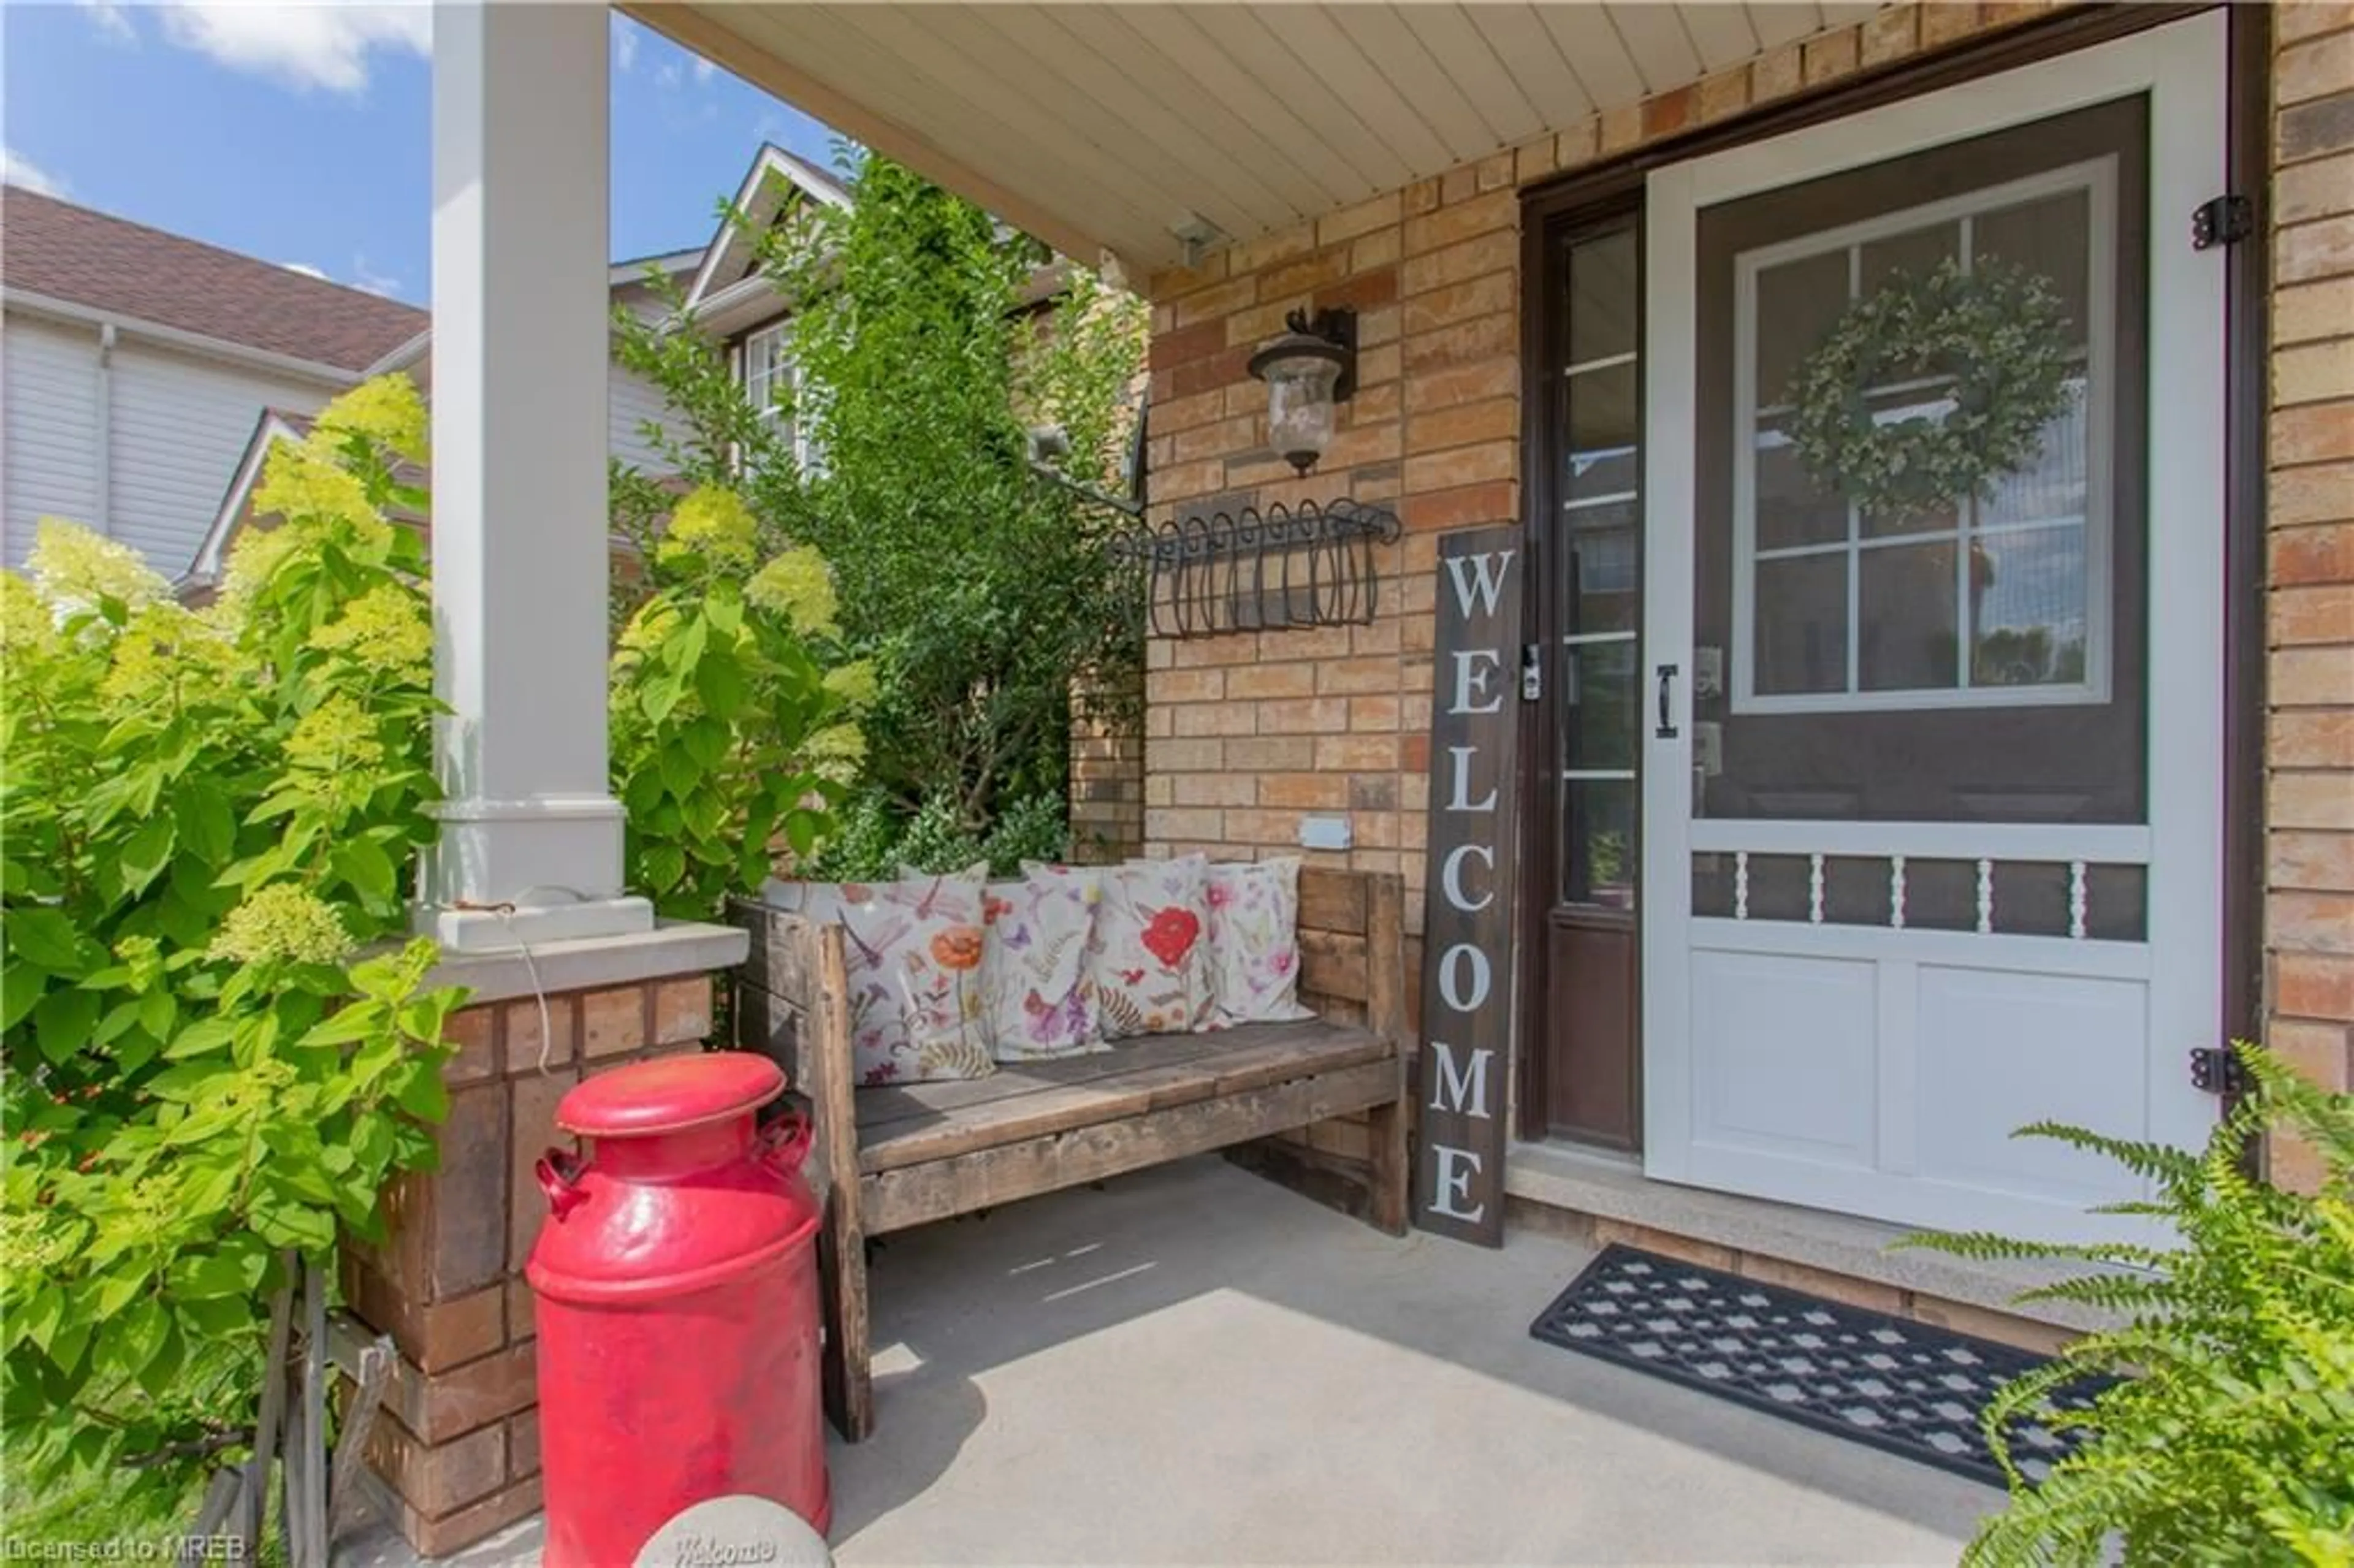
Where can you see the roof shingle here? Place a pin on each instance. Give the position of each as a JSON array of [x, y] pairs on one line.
[[71, 253]]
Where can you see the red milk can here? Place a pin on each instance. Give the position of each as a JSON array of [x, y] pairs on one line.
[[677, 1307]]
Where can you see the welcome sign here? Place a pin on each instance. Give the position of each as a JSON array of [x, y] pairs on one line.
[[1467, 1010]]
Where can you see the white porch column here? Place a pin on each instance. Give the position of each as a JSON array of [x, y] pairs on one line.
[[519, 505]]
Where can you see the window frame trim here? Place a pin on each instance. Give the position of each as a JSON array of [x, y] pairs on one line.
[[784, 367], [2098, 178]]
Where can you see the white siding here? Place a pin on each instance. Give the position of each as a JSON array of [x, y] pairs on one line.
[[632, 402], [48, 428], [180, 423]]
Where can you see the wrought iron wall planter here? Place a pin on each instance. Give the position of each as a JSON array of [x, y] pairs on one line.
[[1253, 570]]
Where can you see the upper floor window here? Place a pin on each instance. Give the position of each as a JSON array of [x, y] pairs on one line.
[[773, 384]]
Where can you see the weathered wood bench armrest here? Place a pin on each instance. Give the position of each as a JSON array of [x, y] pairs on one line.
[[792, 1006]]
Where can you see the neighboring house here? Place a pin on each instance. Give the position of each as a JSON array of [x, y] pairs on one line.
[[132, 363], [725, 293], [731, 299]]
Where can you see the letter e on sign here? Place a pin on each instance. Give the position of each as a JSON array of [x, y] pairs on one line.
[[1467, 946]]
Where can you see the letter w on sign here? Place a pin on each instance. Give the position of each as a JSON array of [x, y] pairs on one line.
[[1467, 1005]]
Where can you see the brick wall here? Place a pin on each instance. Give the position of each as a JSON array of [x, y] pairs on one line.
[[1106, 789], [2309, 796], [1245, 734], [457, 1440]]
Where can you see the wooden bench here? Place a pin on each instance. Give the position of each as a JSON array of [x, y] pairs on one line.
[[889, 1158]]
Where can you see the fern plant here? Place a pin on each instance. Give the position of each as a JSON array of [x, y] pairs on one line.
[[2229, 1438]]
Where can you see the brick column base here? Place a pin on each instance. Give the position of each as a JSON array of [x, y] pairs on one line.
[[456, 1444]]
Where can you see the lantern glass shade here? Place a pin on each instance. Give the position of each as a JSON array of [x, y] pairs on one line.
[[1299, 402]]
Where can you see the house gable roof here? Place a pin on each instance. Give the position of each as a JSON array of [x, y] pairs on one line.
[[237, 512], [274, 425], [775, 178], [60, 251]]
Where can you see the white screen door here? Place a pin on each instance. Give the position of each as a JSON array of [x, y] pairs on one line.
[[1933, 796]]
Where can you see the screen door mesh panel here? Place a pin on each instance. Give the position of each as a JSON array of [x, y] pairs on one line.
[[1910, 1388]]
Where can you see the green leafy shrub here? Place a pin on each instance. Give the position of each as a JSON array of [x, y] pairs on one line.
[[731, 728], [875, 842], [981, 595], [205, 815], [1037, 827], [933, 840], [2232, 1438], [865, 845]]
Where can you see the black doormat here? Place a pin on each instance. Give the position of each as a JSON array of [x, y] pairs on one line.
[[1910, 1388]]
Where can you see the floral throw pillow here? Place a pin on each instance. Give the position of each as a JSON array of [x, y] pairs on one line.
[[1147, 957], [1042, 999], [1254, 958], [913, 949]]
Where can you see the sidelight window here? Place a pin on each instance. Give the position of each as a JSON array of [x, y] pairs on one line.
[[1598, 432]]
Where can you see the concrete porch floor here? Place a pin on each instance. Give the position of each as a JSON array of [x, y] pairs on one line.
[[1192, 1365]]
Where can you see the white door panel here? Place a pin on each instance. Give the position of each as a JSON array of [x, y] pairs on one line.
[[1801, 1084], [2017, 1048]]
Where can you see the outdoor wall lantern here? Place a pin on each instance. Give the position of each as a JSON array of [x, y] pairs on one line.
[[1307, 371]]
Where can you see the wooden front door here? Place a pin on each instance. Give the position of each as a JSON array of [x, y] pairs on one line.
[[1932, 797]]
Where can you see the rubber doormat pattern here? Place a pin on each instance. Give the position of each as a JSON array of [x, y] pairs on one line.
[[1910, 1388]]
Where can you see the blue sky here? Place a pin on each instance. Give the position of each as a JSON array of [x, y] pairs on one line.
[[302, 133]]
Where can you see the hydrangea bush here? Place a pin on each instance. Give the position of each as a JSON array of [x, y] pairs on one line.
[[212, 1053], [734, 732]]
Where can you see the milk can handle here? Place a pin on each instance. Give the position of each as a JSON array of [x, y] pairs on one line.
[[785, 1142], [560, 1177]]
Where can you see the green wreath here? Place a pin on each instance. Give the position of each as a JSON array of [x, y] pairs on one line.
[[1999, 334]]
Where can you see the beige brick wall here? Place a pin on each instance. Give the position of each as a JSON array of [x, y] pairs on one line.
[[2309, 743], [1245, 734], [1106, 789]]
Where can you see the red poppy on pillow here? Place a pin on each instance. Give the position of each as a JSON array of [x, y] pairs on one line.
[[958, 948], [1171, 936], [1146, 954]]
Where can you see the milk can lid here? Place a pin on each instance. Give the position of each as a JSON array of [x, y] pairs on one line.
[[671, 1093]]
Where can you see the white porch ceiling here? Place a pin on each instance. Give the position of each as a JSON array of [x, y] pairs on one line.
[[1105, 127]]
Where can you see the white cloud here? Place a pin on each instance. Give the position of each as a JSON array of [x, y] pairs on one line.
[[112, 18], [703, 70], [625, 42], [306, 269], [18, 170], [304, 45], [367, 279]]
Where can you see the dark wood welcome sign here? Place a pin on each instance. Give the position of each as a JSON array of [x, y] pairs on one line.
[[1467, 970]]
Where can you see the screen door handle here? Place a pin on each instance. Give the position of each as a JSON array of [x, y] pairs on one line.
[[1667, 730]]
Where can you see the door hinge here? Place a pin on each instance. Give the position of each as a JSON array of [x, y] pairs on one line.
[[2226, 220], [2216, 1070], [1532, 672]]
